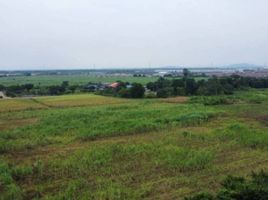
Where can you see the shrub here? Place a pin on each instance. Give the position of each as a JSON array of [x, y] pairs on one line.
[[164, 93], [214, 100], [125, 93], [238, 188], [137, 90], [9, 190], [244, 135], [194, 118]]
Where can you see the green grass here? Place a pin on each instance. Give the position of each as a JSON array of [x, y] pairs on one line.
[[47, 80], [134, 117], [242, 134], [92, 147]]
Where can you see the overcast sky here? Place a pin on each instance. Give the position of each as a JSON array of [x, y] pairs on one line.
[[46, 34]]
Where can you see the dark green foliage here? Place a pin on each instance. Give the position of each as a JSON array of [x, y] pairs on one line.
[[190, 87], [28, 86], [238, 188], [20, 173], [56, 90], [2, 87], [125, 93], [163, 87], [214, 100], [125, 90], [8, 188], [202, 196], [244, 135], [186, 72], [212, 86], [185, 159], [165, 92], [137, 90]]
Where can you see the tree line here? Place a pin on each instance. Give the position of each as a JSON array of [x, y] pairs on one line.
[[162, 88], [124, 89], [188, 86], [31, 89]]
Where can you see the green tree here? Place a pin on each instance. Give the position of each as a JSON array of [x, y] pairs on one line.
[[186, 72], [137, 90]]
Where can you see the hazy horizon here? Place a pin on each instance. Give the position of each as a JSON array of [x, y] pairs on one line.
[[94, 34]]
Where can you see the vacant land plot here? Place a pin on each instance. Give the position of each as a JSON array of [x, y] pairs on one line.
[[47, 80], [73, 79], [92, 147]]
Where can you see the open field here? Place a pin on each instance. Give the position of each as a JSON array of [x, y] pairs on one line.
[[94, 147], [46, 80]]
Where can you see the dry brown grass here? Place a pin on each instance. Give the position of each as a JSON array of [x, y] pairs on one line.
[[78, 100], [15, 123], [179, 99], [18, 104]]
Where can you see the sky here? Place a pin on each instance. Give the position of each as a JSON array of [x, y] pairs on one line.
[[75, 34]]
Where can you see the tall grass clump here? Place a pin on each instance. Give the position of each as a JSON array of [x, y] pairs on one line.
[[244, 135], [195, 118], [99, 158], [214, 100], [239, 188], [185, 159], [8, 188]]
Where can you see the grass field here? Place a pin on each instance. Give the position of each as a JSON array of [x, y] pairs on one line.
[[46, 80], [94, 147]]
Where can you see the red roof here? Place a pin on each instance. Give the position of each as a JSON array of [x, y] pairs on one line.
[[114, 85]]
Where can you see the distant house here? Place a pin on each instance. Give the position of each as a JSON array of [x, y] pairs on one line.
[[95, 86], [2, 95], [92, 87], [114, 85]]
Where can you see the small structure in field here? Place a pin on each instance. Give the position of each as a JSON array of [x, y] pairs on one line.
[[2, 95], [114, 85]]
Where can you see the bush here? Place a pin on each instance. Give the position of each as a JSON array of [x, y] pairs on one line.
[[244, 135], [137, 90], [214, 100], [164, 93], [8, 188], [150, 95], [194, 118], [124, 93], [238, 188]]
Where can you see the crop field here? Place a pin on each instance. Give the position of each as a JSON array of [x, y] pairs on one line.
[[47, 80], [94, 147]]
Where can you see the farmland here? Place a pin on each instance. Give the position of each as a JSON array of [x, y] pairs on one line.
[[73, 79], [47, 80], [85, 146]]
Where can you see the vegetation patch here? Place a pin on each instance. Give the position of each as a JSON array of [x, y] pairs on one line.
[[214, 100], [186, 159], [94, 147], [244, 135], [236, 188], [8, 177]]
